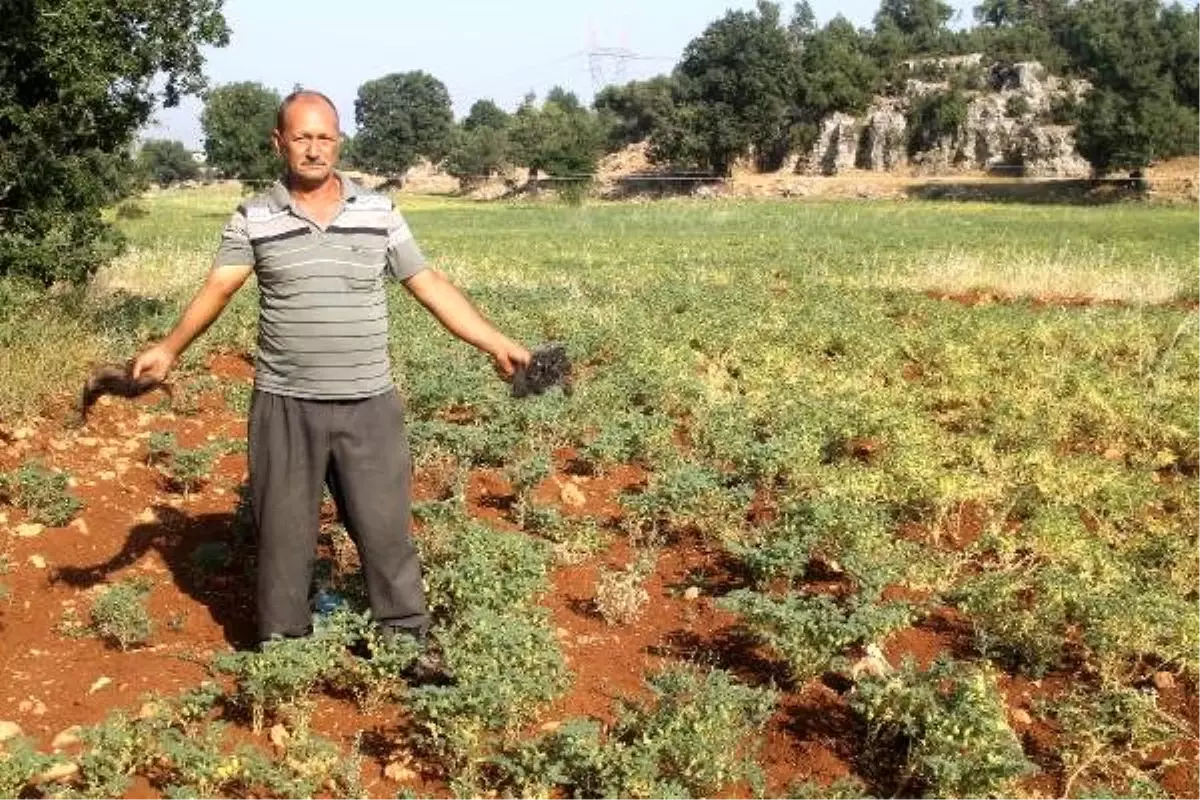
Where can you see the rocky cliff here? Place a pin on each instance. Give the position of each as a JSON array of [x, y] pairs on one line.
[[1009, 130]]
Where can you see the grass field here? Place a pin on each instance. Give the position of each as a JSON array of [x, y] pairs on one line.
[[877, 413]]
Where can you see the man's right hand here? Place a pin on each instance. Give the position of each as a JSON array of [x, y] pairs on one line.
[[153, 365]]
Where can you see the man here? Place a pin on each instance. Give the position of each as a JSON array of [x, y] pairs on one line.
[[325, 410]]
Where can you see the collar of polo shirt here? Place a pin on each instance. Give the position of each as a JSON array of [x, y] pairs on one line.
[[282, 199]]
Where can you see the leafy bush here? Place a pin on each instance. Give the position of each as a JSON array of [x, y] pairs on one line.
[[839, 535], [1020, 613], [279, 679], [41, 492], [505, 667], [185, 468], [1109, 734], [951, 725], [812, 631], [695, 737], [119, 613], [463, 564], [935, 117]]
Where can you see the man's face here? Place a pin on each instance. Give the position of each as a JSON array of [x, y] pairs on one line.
[[309, 141]]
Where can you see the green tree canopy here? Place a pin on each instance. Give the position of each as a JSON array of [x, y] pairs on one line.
[[77, 80], [166, 161], [237, 121], [561, 138], [837, 72], [737, 81], [402, 117], [486, 114], [1131, 51], [632, 112]]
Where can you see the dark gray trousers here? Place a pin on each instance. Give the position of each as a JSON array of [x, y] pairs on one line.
[[360, 449]]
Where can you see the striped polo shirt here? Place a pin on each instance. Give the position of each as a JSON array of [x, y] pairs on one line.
[[322, 322]]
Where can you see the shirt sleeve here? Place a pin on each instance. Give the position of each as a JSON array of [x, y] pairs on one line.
[[235, 247], [404, 258]]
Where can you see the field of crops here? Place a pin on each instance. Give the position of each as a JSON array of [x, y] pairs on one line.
[[887, 498]]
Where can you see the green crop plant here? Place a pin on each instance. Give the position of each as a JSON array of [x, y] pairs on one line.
[[839, 789], [119, 613], [812, 632], [280, 679], [506, 666], [463, 563], [698, 734], [186, 469], [41, 492], [1107, 735], [840, 536], [20, 766], [949, 724]]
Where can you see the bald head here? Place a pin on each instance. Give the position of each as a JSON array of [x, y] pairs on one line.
[[303, 96], [308, 138]]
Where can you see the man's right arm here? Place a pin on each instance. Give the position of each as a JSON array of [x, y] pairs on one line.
[[232, 265], [222, 283]]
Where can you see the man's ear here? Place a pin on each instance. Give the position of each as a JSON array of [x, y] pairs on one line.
[[277, 142]]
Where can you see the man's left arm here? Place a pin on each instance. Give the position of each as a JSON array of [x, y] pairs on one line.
[[443, 299], [451, 308]]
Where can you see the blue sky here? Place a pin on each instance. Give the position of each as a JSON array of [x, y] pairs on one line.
[[479, 49]]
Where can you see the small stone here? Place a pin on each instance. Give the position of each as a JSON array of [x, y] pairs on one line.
[[59, 444], [1113, 454], [29, 529], [66, 737], [691, 593], [80, 524], [25, 706], [9, 730], [398, 772], [37, 561], [279, 736], [873, 663], [99, 684], [59, 772], [1163, 681], [106, 475], [72, 482], [107, 452], [23, 433], [148, 711], [87, 441], [572, 495], [1021, 717], [550, 727], [3, 517], [39, 708], [148, 516]]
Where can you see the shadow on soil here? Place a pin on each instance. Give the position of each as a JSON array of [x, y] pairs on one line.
[[206, 561], [1083, 192]]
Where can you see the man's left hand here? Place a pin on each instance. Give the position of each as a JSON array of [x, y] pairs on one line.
[[507, 355]]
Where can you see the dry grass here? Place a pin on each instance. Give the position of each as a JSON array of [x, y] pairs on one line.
[[1041, 276], [164, 271]]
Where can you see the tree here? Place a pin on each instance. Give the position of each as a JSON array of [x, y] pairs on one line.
[[736, 80], [402, 117], [166, 161], [836, 71], [921, 23], [237, 121], [477, 154], [562, 138], [633, 112], [1129, 49], [77, 80], [486, 114]]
